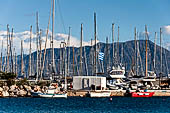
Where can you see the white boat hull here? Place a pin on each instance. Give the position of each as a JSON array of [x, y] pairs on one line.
[[53, 95], [100, 94]]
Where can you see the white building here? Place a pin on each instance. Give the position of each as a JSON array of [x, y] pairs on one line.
[[85, 82]]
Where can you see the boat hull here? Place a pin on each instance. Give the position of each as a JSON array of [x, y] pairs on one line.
[[35, 94], [100, 94], [53, 95], [141, 94]]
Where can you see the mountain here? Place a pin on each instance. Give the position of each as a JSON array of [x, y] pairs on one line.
[[126, 56]]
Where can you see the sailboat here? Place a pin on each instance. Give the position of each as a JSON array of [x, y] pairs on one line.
[[144, 93], [52, 91]]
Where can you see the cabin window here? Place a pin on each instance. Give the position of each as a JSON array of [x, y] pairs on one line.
[[116, 73]]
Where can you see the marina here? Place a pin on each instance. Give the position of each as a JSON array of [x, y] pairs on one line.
[[98, 70], [84, 56]]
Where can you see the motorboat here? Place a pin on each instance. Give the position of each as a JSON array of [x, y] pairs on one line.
[[139, 94], [100, 94], [51, 93]]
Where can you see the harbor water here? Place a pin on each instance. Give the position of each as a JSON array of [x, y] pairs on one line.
[[85, 105]]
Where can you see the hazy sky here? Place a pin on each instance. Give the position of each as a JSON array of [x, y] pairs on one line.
[[20, 14]]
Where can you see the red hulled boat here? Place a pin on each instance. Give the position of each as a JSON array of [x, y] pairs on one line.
[[141, 94]]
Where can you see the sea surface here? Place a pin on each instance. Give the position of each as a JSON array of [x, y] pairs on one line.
[[85, 105]]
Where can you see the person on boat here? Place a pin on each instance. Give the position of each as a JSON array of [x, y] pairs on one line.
[[145, 90], [137, 90]]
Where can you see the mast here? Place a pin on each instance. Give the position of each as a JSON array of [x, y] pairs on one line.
[[92, 57], [60, 60], [106, 58], [37, 46], [154, 66], [113, 44], [68, 45], [7, 59], [138, 55], [95, 38], [21, 57], [146, 64], [122, 54], [30, 65], [4, 67], [161, 50], [44, 56], [53, 63], [85, 60], [1, 56], [76, 64], [81, 41], [73, 60], [118, 47], [10, 40], [65, 56], [108, 54], [16, 64], [40, 65], [135, 60]]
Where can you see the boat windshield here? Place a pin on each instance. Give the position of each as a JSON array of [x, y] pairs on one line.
[[116, 73]]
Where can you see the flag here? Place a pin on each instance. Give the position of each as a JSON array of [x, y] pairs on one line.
[[101, 55]]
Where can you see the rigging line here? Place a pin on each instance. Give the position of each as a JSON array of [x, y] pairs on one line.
[[165, 56], [61, 16]]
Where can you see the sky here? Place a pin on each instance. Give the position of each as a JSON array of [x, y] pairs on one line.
[[127, 14]]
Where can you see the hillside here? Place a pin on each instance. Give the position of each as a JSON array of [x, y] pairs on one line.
[[126, 56]]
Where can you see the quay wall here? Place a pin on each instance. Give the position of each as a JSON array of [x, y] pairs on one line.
[[83, 93], [161, 94]]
